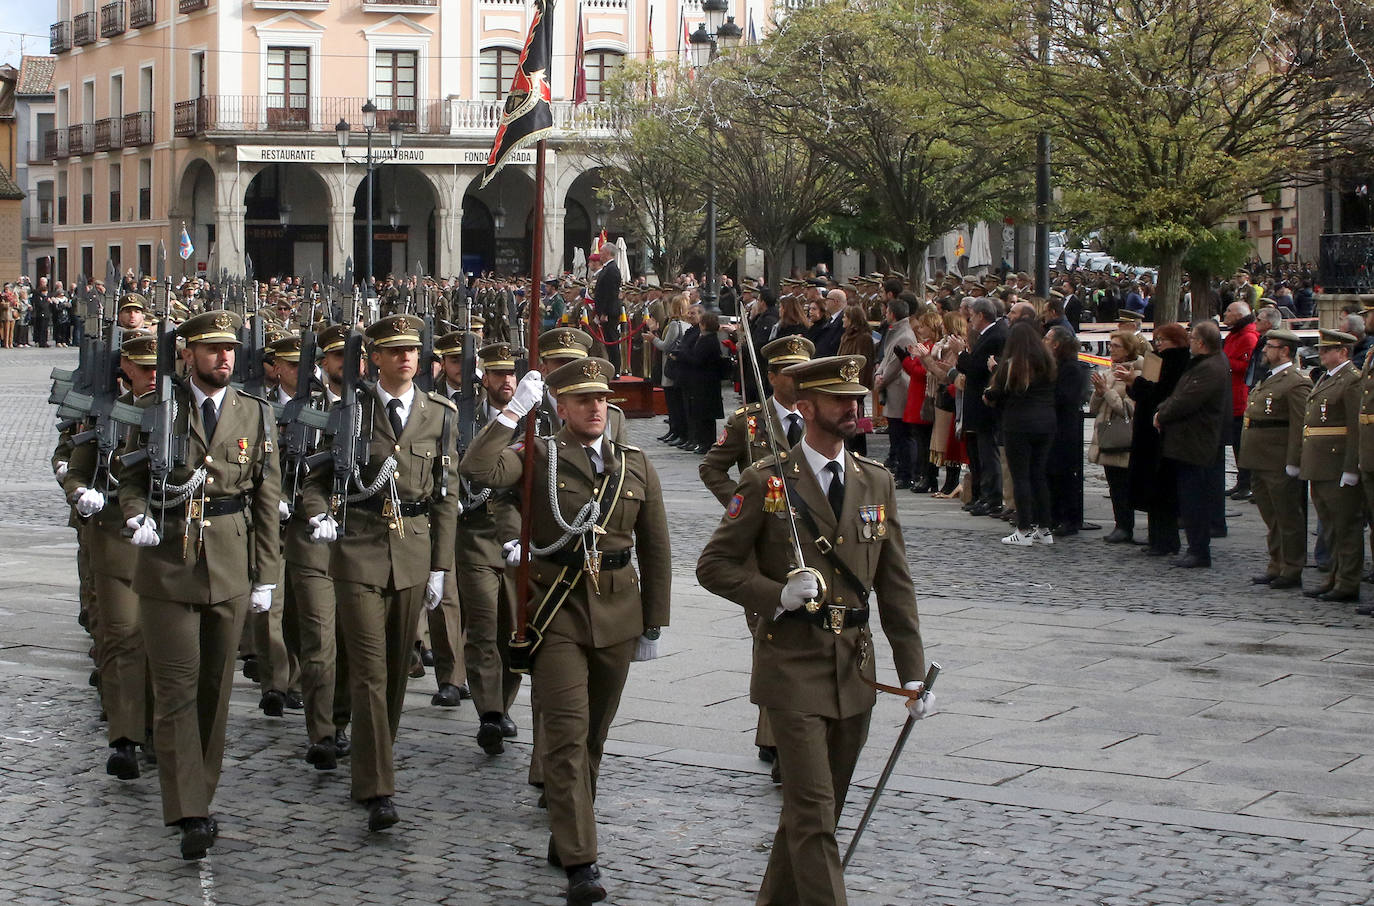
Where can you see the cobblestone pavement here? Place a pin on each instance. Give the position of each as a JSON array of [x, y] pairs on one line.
[[1108, 733]]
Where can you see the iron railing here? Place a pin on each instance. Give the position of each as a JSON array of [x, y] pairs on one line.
[[1347, 263], [297, 113], [80, 139], [112, 19], [60, 37], [83, 28], [138, 128], [109, 134], [142, 13]]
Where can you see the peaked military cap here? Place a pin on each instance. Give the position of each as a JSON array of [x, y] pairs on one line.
[[396, 330], [836, 374], [787, 351], [332, 338], [497, 357], [564, 343], [287, 348], [589, 375], [211, 327], [139, 347], [1335, 338]]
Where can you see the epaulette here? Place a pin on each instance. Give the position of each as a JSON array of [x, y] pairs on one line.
[[630, 447], [616, 408], [253, 396], [752, 407], [442, 400], [770, 460], [872, 462]]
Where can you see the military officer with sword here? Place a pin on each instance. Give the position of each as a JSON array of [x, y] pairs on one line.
[[808, 539]]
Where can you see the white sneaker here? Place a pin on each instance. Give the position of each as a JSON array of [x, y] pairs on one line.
[[1019, 538], [1042, 536]]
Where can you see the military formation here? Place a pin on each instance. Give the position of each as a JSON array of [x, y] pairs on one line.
[[311, 481]]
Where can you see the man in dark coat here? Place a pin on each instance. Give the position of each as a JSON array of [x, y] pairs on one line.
[[606, 295], [988, 335], [42, 313], [1191, 423]]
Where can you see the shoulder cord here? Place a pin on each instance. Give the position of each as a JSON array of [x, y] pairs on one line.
[[387, 473], [165, 495], [583, 524]]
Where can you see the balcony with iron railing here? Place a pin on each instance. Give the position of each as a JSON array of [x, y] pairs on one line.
[[60, 37], [279, 113], [109, 133], [112, 19], [138, 128], [142, 13], [38, 228], [80, 139], [190, 6], [55, 144], [83, 28]]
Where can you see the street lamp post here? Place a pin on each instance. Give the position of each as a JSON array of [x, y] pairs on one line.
[[719, 30], [341, 131]]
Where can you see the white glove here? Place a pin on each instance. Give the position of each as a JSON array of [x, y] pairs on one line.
[[1292, 471], [434, 589], [283, 509], [512, 549], [528, 394], [145, 532], [800, 588], [920, 707], [646, 649], [89, 502], [261, 598], [61, 470], [1350, 479], [323, 529]]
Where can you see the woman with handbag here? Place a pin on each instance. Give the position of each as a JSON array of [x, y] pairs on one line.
[[1111, 443]]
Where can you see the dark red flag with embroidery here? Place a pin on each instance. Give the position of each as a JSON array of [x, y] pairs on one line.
[[528, 115]]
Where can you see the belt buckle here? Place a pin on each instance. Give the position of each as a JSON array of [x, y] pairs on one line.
[[834, 618], [388, 509], [193, 508]]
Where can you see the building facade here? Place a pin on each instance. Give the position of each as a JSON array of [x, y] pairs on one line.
[[222, 116], [35, 115]]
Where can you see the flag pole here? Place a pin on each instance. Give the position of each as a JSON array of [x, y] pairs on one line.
[[522, 575]]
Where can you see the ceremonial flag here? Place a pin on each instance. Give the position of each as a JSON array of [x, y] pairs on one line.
[[528, 115], [187, 249], [579, 64]]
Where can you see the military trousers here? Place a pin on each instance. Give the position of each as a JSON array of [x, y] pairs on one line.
[[191, 659], [379, 633], [579, 694], [1280, 502], [278, 667], [122, 660], [86, 601], [763, 734], [487, 622], [310, 598], [817, 755], [446, 632], [1341, 511]]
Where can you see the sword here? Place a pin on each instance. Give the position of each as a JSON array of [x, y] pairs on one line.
[[931, 674], [800, 566]]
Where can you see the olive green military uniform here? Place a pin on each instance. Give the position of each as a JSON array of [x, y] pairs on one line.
[[1367, 437], [1270, 442], [581, 666], [194, 586], [276, 643], [380, 565], [1331, 447], [814, 682], [87, 606], [446, 629]]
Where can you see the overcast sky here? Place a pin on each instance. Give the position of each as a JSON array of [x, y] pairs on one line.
[[33, 17]]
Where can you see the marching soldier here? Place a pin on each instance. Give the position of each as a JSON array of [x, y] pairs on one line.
[[199, 567], [1366, 444], [133, 311], [590, 616], [744, 442], [813, 655], [1271, 448], [557, 347], [1330, 461], [391, 556], [120, 656]]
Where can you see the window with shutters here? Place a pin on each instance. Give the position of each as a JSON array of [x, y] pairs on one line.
[[288, 88], [396, 80], [600, 65], [495, 71]]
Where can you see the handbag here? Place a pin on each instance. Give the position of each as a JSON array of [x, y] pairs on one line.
[[928, 410], [1114, 434]]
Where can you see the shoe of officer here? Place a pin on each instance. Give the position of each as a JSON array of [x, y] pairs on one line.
[[448, 696], [381, 813], [584, 885], [489, 735], [552, 857], [343, 747], [1280, 582], [1262, 579], [272, 703], [322, 754], [293, 701], [123, 761], [197, 836], [250, 668], [508, 728]]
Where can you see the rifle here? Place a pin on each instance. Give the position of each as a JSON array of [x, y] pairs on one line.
[[103, 386], [348, 450], [299, 422], [164, 448], [73, 390], [251, 350], [424, 372], [467, 398]]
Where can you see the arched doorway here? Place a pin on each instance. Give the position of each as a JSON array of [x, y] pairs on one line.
[[196, 206], [577, 224], [403, 227], [496, 224], [479, 236], [286, 223]]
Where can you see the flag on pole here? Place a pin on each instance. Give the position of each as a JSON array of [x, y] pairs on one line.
[[186, 249], [753, 35], [579, 94], [528, 114]]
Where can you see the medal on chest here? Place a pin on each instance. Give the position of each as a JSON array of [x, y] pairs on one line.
[[1269, 404], [243, 451], [1323, 410], [772, 497], [753, 427]]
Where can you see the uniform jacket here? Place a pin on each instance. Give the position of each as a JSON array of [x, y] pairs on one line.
[[239, 549], [369, 551], [1271, 432], [619, 609], [1193, 419], [739, 447], [1333, 404], [1367, 415], [895, 380], [299, 550], [798, 665], [484, 528]]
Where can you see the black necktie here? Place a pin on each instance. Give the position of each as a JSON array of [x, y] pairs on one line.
[[794, 429], [836, 492], [592, 458], [209, 417], [393, 412]]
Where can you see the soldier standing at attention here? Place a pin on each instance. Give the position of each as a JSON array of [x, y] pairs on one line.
[[392, 554], [197, 572], [1271, 448], [595, 502], [814, 665], [1330, 461]]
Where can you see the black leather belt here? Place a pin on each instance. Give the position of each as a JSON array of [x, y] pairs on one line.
[[223, 506], [576, 558], [1266, 423], [408, 507], [857, 617]]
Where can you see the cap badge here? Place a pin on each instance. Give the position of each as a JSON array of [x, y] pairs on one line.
[[849, 372]]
